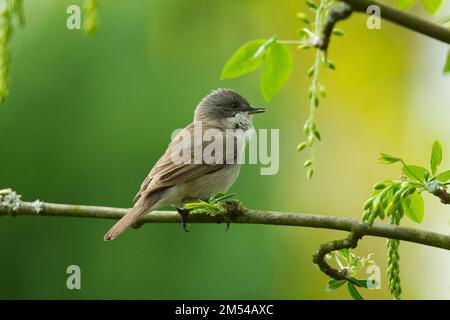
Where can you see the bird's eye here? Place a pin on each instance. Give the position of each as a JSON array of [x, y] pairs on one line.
[[235, 105]]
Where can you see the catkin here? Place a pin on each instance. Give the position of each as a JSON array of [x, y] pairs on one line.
[[16, 7], [5, 49], [393, 270], [90, 17]]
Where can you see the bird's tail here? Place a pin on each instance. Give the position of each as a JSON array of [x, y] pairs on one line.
[[144, 204]]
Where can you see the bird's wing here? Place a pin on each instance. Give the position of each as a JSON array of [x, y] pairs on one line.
[[166, 173]]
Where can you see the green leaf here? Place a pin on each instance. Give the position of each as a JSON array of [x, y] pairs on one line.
[[334, 284], [345, 253], [365, 283], [303, 17], [443, 176], [414, 207], [404, 4], [309, 173], [337, 32], [360, 282], [447, 63], [244, 60], [436, 156], [431, 5], [301, 146], [381, 185], [220, 197], [354, 292], [201, 206], [276, 69], [308, 163], [414, 173], [388, 159], [311, 4]]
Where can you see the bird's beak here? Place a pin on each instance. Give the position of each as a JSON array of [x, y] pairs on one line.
[[256, 110]]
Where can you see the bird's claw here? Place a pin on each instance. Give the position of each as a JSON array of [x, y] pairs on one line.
[[184, 213]]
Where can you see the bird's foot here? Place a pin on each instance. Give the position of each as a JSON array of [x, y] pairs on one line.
[[184, 213], [231, 210]]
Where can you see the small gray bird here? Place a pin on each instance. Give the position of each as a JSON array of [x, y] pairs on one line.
[[173, 182]]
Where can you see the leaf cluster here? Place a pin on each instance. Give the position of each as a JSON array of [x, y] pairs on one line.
[[352, 264], [274, 57], [213, 205], [405, 196]]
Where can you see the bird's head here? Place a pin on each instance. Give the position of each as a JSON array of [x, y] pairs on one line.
[[224, 105]]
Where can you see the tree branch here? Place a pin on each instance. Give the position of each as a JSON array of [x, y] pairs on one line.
[[337, 12], [340, 11], [443, 195], [319, 257], [237, 214], [404, 19]]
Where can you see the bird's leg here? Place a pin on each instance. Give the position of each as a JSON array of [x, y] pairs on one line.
[[184, 213], [233, 208]]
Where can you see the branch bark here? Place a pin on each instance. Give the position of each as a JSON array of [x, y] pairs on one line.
[[443, 195], [404, 19], [242, 216], [340, 12], [319, 257]]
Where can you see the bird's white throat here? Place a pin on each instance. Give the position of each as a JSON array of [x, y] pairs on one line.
[[241, 120]]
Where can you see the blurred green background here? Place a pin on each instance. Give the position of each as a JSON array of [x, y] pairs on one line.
[[88, 117]]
